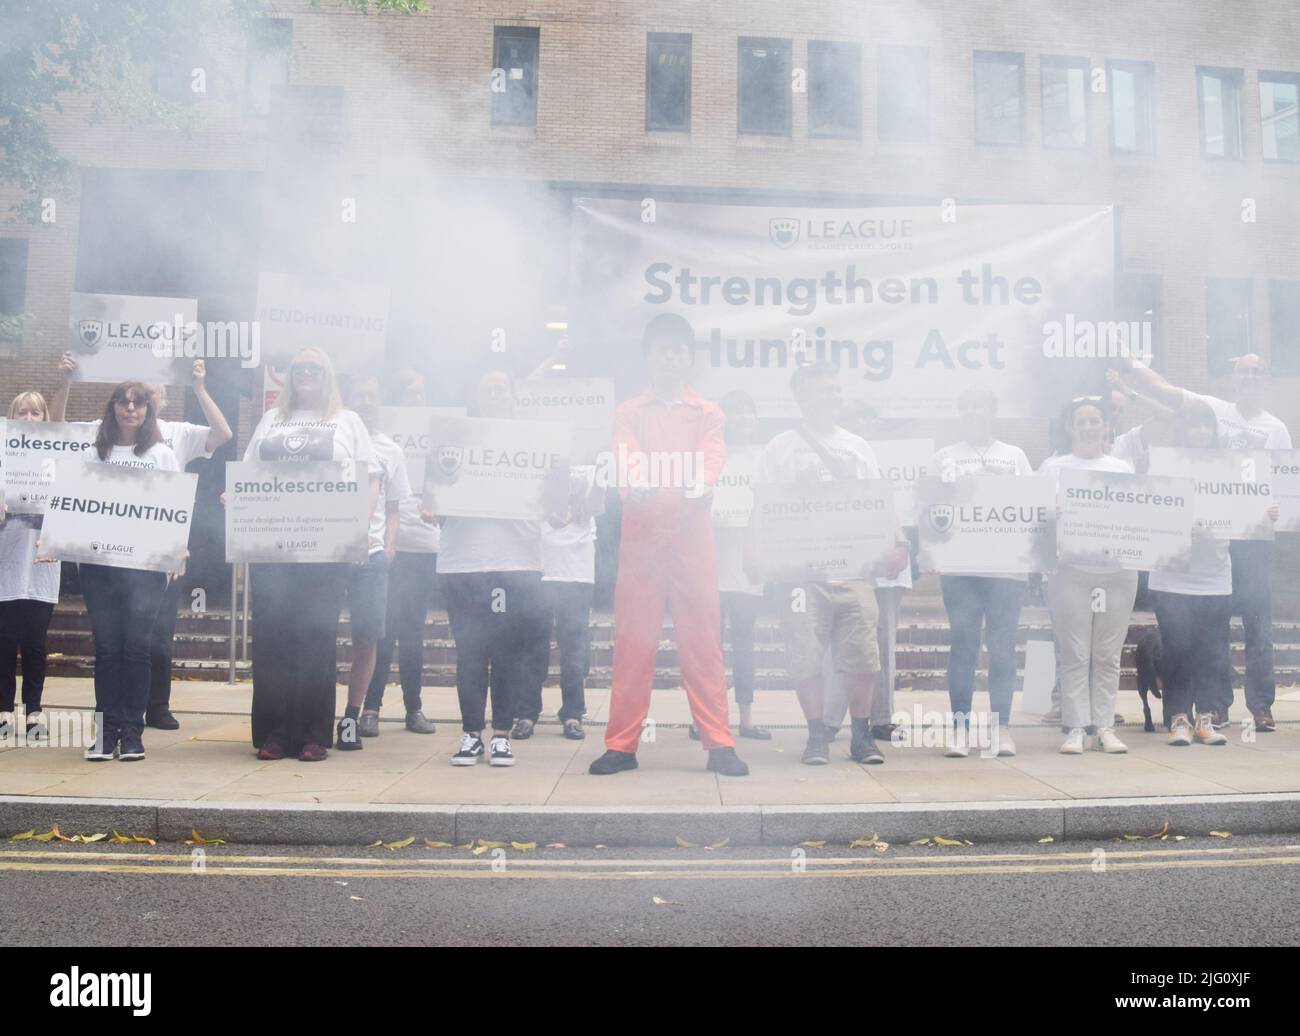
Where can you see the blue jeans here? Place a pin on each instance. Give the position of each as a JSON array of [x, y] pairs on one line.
[[974, 603], [123, 605]]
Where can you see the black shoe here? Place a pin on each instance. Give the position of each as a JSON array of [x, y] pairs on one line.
[[862, 749], [573, 730], [523, 729], [883, 731], [613, 762], [694, 732], [368, 724], [831, 732], [105, 746], [132, 746], [418, 723], [724, 761], [161, 720], [756, 733], [348, 737]]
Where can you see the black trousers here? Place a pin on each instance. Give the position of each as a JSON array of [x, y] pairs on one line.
[[160, 649], [295, 646], [23, 626], [495, 618], [412, 584], [1252, 599], [567, 607], [739, 614], [1195, 642], [123, 605]]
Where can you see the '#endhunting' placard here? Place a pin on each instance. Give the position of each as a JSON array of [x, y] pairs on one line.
[[1233, 488]]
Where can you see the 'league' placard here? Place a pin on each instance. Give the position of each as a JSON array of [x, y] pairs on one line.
[[1111, 519], [904, 462], [987, 525], [285, 511]]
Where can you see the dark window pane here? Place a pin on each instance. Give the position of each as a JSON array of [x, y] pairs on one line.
[[1219, 91], [1229, 319], [1279, 115], [270, 46], [1284, 323], [1065, 102], [999, 98], [1132, 106], [834, 89], [13, 286], [668, 81], [514, 99], [764, 67], [903, 87]]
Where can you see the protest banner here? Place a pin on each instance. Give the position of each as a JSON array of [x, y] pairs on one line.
[[119, 516], [1286, 488], [408, 426], [987, 525], [733, 493], [348, 320], [587, 404], [494, 468], [1114, 519], [117, 338], [33, 452], [823, 531], [295, 512], [1233, 488], [904, 462]]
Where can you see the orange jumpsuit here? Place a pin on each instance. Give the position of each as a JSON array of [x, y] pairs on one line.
[[666, 557]]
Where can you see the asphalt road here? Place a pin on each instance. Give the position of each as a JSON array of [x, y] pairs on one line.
[[1197, 892]]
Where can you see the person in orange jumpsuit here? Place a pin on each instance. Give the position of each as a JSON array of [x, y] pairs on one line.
[[669, 450]]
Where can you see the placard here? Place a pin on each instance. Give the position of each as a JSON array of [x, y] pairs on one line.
[[1286, 488], [348, 320], [118, 338], [733, 493], [1233, 488], [119, 516], [987, 525], [285, 511], [32, 451], [1113, 519], [823, 531], [587, 404], [904, 462], [408, 426], [496, 468]]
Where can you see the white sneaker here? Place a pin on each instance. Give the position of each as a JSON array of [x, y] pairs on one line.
[[1006, 747], [471, 751], [499, 752], [1205, 732], [1109, 743], [1073, 743], [958, 743], [1180, 731]]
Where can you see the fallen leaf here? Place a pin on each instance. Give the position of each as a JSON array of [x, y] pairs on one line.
[[940, 840], [486, 844], [144, 840], [1044, 841], [49, 835], [920, 841], [721, 845], [467, 845], [967, 841], [343, 883], [25, 836], [523, 847], [1221, 834], [119, 838], [1162, 832], [359, 899], [682, 843], [376, 845], [1180, 838], [399, 845], [600, 847], [659, 901], [556, 845], [1132, 838], [815, 845], [198, 839], [480, 850], [437, 845]]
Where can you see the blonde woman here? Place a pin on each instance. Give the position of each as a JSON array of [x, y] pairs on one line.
[[28, 594], [296, 606]]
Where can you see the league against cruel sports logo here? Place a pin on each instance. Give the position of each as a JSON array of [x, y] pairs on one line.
[[939, 517], [783, 231], [295, 441], [448, 462], [89, 334]]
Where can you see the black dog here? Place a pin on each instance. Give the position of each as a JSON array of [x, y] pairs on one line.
[[1150, 655]]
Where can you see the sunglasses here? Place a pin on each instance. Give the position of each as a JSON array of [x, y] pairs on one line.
[[139, 404], [1087, 399], [312, 370]]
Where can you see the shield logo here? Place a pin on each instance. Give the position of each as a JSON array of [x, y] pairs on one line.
[[295, 441], [89, 334], [783, 231], [940, 517], [449, 460]]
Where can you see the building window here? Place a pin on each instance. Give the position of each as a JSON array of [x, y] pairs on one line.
[[1284, 323], [1219, 93], [1138, 301], [1229, 322], [1279, 115], [1132, 106], [668, 81], [834, 89], [1065, 102], [903, 94], [514, 85], [999, 98], [270, 47], [13, 287], [764, 103]]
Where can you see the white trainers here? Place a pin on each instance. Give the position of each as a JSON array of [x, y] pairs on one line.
[[1205, 732], [471, 751], [1006, 747], [1180, 731], [1108, 742], [958, 743], [500, 753], [1073, 743]]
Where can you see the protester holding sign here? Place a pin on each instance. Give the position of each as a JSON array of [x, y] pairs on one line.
[[1090, 603], [1243, 424], [190, 442], [28, 593], [839, 613], [123, 602], [989, 600], [296, 606]]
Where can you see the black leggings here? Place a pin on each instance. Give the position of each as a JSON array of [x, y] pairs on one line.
[[23, 626]]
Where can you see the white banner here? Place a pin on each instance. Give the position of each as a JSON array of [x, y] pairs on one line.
[[823, 531], [1233, 488], [914, 304], [1286, 488], [733, 493], [585, 403], [33, 450], [284, 511], [1115, 519], [492, 468], [346, 319], [119, 338], [987, 525], [408, 426], [122, 517], [904, 462]]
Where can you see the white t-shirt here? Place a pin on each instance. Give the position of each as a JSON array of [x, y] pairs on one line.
[[569, 552], [731, 563], [789, 457], [490, 545], [156, 458], [188, 441], [394, 486], [1209, 571], [21, 579], [305, 435], [1236, 432], [998, 458], [1052, 468], [1132, 447], [414, 534]]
